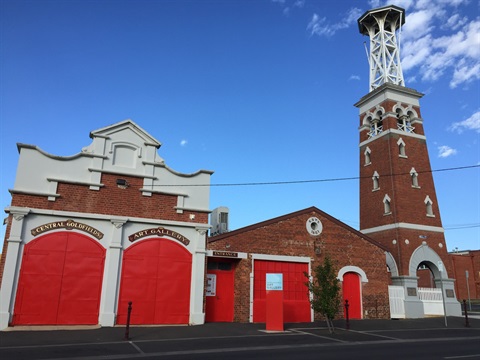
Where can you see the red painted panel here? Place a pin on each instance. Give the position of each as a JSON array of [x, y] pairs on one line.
[[156, 277], [274, 311], [351, 292], [60, 281], [296, 304], [219, 308]]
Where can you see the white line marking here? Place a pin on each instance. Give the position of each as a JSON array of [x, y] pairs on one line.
[[136, 347]]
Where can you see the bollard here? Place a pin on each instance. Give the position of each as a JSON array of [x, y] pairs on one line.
[[127, 327], [467, 324], [346, 315]]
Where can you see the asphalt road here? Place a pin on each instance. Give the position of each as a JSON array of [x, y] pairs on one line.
[[381, 339]]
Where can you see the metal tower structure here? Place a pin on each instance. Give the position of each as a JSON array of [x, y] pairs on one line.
[[384, 59]]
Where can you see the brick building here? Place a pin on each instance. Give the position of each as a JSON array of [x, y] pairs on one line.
[[466, 270], [293, 244], [88, 233]]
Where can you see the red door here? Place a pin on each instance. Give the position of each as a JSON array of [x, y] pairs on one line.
[[220, 294], [60, 281], [351, 292], [156, 277], [296, 304]]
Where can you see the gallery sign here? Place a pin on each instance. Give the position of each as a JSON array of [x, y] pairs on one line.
[[160, 231], [68, 225]]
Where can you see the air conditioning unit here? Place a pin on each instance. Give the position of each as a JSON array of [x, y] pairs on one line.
[[219, 221]]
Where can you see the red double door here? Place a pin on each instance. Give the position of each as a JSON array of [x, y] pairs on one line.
[[156, 278], [296, 304], [60, 281]]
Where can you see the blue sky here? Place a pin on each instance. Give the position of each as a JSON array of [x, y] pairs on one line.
[[257, 91]]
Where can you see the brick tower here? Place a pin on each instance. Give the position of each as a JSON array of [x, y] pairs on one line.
[[398, 203]]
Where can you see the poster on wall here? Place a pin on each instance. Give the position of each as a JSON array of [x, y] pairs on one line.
[[211, 285]]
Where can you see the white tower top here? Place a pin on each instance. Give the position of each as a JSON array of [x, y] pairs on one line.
[[384, 59]]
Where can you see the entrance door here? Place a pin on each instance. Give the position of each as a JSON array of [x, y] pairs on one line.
[[351, 292], [156, 278], [220, 294], [60, 281]]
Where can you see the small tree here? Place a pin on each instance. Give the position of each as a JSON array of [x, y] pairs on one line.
[[325, 289]]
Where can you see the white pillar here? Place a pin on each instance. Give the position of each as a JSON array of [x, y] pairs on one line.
[[12, 266], [111, 276], [197, 289]]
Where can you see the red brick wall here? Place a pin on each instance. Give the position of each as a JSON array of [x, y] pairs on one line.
[[111, 200], [402, 251], [289, 237], [467, 262]]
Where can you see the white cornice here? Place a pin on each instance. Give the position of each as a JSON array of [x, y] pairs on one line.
[[403, 226], [392, 131], [92, 216]]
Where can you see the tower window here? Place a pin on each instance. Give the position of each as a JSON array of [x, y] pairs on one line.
[[404, 123], [376, 185], [401, 148], [376, 126], [387, 210], [414, 178], [429, 206], [367, 153]]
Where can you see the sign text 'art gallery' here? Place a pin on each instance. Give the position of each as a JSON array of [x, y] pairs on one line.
[[160, 231]]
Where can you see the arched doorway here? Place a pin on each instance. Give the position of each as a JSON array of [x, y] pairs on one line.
[[426, 278], [156, 277], [351, 289], [60, 281]]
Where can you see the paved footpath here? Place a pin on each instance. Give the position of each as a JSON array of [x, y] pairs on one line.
[[235, 340]]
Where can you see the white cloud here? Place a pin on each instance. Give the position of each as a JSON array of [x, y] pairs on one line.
[[286, 8], [472, 123], [417, 24], [354, 77], [183, 142], [446, 151], [319, 26], [465, 73], [455, 21]]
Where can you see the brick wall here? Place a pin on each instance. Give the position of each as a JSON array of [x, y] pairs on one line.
[[111, 200], [467, 261], [288, 236]]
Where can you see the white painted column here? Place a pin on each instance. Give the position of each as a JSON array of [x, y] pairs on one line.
[[12, 266], [197, 289], [111, 276]]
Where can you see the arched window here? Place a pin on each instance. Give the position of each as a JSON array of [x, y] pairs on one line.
[[414, 178], [429, 206], [375, 178], [376, 124], [401, 148], [367, 156], [386, 205], [404, 122]]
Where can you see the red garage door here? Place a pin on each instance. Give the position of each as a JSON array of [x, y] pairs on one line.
[[296, 306], [351, 292], [60, 281], [156, 277]]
